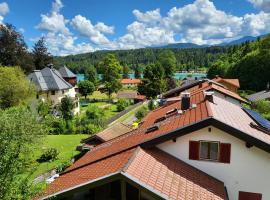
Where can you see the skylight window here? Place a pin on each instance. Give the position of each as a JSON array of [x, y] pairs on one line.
[[160, 119], [151, 129], [171, 111]]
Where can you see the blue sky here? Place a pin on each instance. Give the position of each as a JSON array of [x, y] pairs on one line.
[[77, 26]]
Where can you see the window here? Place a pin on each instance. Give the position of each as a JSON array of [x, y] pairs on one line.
[[53, 92], [209, 150]]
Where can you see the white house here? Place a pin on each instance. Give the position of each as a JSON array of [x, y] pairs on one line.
[[52, 87], [205, 145]]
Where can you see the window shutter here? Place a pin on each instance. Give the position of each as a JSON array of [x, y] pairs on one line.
[[194, 150], [225, 153]]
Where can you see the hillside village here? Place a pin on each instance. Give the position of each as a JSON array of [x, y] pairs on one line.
[[87, 116]]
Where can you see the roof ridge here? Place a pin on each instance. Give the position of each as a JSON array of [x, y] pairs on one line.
[[131, 159]]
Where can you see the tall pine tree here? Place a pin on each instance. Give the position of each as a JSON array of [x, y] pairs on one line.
[[41, 55]]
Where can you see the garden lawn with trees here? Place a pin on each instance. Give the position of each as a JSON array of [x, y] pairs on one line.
[[66, 148]]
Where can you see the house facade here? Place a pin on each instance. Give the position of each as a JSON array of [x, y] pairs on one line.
[[204, 145], [130, 82], [52, 87]]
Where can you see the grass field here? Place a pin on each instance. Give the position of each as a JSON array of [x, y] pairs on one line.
[[65, 144]]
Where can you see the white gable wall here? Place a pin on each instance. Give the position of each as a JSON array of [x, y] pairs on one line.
[[248, 171]]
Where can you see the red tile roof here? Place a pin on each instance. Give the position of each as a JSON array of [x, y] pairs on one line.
[[136, 137], [234, 82], [152, 167], [104, 167], [116, 152], [131, 81], [172, 177]]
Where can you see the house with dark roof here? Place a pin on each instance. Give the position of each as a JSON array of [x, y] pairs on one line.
[[204, 145], [52, 86], [133, 96], [68, 75], [262, 95]]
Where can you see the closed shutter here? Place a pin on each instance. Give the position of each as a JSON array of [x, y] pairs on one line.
[[194, 150], [225, 153], [249, 196]]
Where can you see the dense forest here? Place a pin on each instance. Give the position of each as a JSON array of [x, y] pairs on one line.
[[249, 62], [186, 59]]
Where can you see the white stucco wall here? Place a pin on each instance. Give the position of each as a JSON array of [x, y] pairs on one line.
[[56, 99], [248, 171]]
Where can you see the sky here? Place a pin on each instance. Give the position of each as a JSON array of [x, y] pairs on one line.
[[80, 26]]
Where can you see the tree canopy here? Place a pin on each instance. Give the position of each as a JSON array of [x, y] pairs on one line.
[[21, 131], [153, 82], [15, 88], [13, 50], [111, 69], [86, 88], [41, 55]]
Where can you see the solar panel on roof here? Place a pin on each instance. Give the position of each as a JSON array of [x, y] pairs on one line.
[[258, 118]]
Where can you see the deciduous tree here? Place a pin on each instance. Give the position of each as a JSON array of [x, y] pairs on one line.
[[14, 87]]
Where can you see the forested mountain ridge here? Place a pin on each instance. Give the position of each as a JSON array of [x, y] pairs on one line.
[[187, 59], [249, 62]]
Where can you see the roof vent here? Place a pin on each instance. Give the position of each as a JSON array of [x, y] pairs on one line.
[[160, 119], [180, 112], [152, 128], [185, 102], [171, 111], [208, 96]]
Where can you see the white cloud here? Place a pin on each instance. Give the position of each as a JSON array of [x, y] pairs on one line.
[[140, 35], [263, 5], [256, 24], [199, 22], [61, 44], [151, 16], [54, 21], [87, 29], [100, 26], [4, 9]]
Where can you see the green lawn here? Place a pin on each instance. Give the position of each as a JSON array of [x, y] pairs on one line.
[[65, 144], [109, 109]]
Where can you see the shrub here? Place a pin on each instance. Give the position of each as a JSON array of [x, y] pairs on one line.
[[49, 155], [61, 167], [122, 104], [152, 105], [94, 112], [141, 113]]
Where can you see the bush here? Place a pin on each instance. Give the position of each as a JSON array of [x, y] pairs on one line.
[[141, 113], [49, 155], [94, 112], [61, 167], [152, 105], [122, 104]]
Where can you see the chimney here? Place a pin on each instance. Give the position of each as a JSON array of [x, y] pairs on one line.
[[185, 103], [208, 96], [50, 66]]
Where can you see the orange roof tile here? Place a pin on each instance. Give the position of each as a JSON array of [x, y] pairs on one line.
[[131, 81], [96, 170], [234, 82], [172, 177]]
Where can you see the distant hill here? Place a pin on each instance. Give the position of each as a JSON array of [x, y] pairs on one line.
[[181, 46], [196, 46]]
